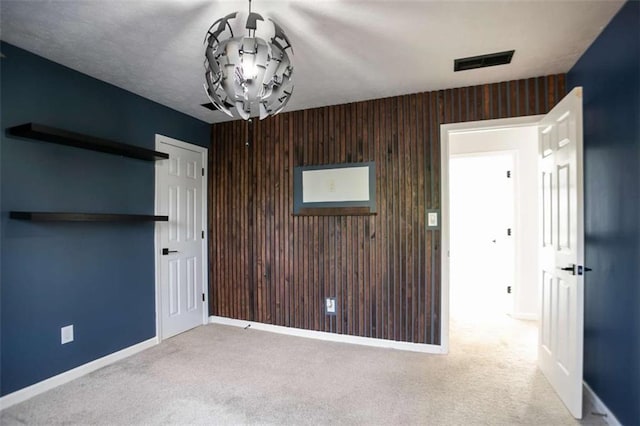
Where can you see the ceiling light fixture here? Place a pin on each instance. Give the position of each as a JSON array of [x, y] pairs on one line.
[[247, 74]]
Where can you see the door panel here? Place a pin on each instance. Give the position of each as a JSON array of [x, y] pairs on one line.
[[192, 284], [545, 329], [191, 213], [564, 332], [173, 212], [564, 218], [174, 287], [562, 246], [547, 209]]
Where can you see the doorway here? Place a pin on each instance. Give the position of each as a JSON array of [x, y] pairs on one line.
[[516, 138], [491, 217], [557, 185]]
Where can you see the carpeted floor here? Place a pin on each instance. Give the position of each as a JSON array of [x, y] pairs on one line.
[[224, 375]]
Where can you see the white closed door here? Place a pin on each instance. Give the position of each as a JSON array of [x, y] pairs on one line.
[[562, 250], [481, 197], [180, 255]]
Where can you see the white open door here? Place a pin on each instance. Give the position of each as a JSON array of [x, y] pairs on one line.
[[181, 243], [562, 250]]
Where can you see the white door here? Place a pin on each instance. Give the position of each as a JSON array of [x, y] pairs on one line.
[[562, 252], [180, 243], [481, 200]]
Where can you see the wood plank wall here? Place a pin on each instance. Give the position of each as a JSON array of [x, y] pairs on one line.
[[269, 266]]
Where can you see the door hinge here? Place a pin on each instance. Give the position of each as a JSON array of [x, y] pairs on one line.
[[203, 171], [203, 297], [508, 289], [509, 231], [203, 235], [508, 173]]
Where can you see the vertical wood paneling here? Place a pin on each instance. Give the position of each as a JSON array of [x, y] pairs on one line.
[[384, 270]]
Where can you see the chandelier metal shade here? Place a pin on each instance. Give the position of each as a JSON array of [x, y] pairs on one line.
[[248, 75]]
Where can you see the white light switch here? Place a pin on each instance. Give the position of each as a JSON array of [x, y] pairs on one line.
[[66, 334], [332, 186], [432, 219]]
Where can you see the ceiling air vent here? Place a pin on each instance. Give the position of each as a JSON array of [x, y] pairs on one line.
[[482, 61]]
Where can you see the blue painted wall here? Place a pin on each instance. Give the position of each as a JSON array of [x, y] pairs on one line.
[[609, 71], [99, 277]]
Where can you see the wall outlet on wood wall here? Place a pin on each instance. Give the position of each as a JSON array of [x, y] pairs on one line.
[[330, 306]]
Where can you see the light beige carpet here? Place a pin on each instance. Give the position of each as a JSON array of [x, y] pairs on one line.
[[224, 375]]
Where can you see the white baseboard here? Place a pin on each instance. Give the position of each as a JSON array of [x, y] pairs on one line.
[[596, 405], [524, 316], [332, 337], [62, 378]]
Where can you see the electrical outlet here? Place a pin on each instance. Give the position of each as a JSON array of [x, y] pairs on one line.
[[66, 334], [330, 306]]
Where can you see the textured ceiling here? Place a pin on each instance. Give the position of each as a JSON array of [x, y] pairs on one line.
[[344, 51]]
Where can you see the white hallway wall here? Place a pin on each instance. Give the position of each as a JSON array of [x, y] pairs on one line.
[[524, 141]]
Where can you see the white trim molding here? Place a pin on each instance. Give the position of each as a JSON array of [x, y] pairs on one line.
[[75, 373], [331, 337], [595, 404]]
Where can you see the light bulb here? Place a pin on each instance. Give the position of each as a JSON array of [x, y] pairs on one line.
[[249, 70]]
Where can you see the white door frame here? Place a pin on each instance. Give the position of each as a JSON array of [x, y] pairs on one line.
[[445, 131], [205, 241]]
